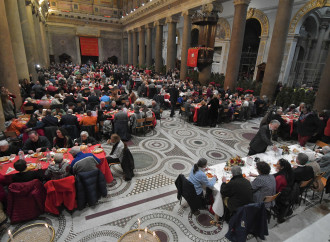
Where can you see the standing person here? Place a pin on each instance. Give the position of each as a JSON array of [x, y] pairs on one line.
[[174, 94], [308, 125], [213, 110], [262, 140], [199, 179], [116, 154], [7, 106]]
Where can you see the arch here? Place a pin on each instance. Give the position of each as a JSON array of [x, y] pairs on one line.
[[223, 29], [261, 17], [302, 14]]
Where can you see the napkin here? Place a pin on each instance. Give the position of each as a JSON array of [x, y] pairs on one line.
[[10, 169]]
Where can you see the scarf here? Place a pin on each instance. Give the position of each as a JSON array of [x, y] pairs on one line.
[[114, 148]]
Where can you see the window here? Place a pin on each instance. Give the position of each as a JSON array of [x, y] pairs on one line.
[[75, 6], [53, 3], [96, 9]]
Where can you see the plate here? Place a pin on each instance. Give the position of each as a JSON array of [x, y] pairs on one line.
[[4, 158], [36, 155], [295, 151], [62, 150], [31, 166], [83, 147], [209, 175], [97, 150]]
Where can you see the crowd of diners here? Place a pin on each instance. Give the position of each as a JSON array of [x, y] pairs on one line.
[[107, 97]]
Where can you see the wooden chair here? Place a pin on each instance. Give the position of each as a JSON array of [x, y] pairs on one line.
[[271, 211], [149, 123], [10, 134], [317, 180], [304, 185], [140, 125], [27, 108], [320, 143]]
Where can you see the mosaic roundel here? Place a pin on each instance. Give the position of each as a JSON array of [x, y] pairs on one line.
[[157, 144], [183, 133], [201, 223], [221, 134], [198, 142], [172, 125], [215, 154], [177, 165]]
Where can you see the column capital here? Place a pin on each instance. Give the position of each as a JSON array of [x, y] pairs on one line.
[[239, 2], [172, 19], [159, 22], [149, 26], [187, 13], [141, 28]]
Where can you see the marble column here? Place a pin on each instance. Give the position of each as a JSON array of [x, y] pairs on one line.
[[149, 45], [142, 47], [135, 48], [8, 73], [38, 40], [236, 43], [33, 34], [322, 100], [50, 41], [159, 46], [130, 47], [171, 43], [78, 60], [277, 47], [44, 43], [317, 52], [186, 36], [101, 57], [16, 37], [27, 38]]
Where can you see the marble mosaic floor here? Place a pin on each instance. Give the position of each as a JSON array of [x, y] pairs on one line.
[[151, 195]]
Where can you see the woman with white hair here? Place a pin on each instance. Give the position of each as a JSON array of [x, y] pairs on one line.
[[7, 149], [60, 169], [85, 139]]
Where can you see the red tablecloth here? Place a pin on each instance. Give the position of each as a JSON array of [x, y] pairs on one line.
[[289, 119], [167, 96], [103, 166]]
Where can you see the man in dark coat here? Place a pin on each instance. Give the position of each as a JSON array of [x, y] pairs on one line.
[[49, 120], [238, 190], [36, 143], [302, 172], [174, 92], [69, 119], [263, 138]]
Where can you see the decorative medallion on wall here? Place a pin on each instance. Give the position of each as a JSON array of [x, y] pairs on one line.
[[223, 29]]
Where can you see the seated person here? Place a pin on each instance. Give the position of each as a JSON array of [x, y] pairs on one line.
[[59, 170], [135, 116], [199, 179], [69, 119], [264, 184], [89, 120], [127, 105], [83, 161], [24, 175], [324, 161], [58, 111], [103, 107], [156, 109], [302, 172], [36, 143], [14, 125], [85, 139], [146, 112], [238, 191], [62, 139], [312, 163], [116, 154], [49, 120], [187, 106], [40, 111], [47, 97], [28, 102], [7, 149], [113, 106]]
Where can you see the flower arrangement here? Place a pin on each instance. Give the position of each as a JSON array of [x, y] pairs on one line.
[[249, 91], [212, 83], [239, 89], [236, 161], [285, 150]]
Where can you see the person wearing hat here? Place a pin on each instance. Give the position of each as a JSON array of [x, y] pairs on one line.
[[83, 161]]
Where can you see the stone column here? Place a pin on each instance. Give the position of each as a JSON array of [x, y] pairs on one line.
[[142, 47], [8, 73], [135, 49], [130, 47], [159, 46], [50, 41], [149, 45], [317, 52], [44, 43], [27, 37], [78, 61], [101, 57], [33, 35], [277, 47], [38, 40], [16, 37], [171, 43], [236, 43], [186, 36], [322, 100]]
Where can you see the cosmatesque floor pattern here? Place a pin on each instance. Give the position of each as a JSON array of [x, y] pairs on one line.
[[151, 195]]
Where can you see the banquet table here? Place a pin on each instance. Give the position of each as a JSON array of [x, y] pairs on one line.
[[250, 166], [7, 168]]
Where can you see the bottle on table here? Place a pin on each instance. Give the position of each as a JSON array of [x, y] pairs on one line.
[[48, 155], [21, 155]]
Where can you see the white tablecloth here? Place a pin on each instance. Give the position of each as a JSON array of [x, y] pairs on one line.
[[250, 166]]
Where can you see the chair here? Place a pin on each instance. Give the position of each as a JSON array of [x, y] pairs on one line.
[[304, 185], [320, 143], [26, 201], [183, 114], [58, 192], [271, 211], [319, 184], [140, 125], [25, 116], [10, 134], [28, 108], [149, 123], [50, 133]]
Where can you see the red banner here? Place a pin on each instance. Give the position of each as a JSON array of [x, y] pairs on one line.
[[89, 46], [192, 57]]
